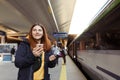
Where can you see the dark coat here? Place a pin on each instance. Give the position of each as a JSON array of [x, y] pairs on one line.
[[24, 60], [12, 51]]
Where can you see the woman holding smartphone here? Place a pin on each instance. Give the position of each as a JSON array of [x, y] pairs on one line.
[[34, 55]]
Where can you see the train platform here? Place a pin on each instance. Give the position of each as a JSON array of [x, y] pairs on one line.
[[68, 71]]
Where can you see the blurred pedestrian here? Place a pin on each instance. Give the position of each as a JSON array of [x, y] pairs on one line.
[[55, 50], [12, 53], [63, 54]]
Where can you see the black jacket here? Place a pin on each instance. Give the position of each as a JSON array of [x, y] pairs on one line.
[[24, 60]]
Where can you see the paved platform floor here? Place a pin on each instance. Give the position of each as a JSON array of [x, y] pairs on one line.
[[9, 72]]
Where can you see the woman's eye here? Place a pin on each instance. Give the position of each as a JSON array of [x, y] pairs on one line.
[[39, 30]]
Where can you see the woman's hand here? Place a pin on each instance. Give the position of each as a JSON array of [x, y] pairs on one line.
[[52, 57], [37, 51]]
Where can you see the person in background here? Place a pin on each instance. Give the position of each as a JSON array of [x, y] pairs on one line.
[[55, 50], [34, 55], [63, 54], [12, 53]]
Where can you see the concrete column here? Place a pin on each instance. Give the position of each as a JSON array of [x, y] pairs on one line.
[[82, 45], [98, 38], [2, 39]]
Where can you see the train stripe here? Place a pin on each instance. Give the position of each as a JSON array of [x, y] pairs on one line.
[[109, 73]]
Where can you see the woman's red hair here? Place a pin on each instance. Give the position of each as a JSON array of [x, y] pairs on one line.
[[44, 40]]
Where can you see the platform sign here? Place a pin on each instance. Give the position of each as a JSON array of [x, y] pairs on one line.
[[58, 35]]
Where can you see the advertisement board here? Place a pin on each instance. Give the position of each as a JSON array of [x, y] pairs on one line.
[[5, 50]]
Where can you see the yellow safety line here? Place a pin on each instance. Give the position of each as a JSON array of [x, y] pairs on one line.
[[63, 75]]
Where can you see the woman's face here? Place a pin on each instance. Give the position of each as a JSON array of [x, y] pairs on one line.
[[37, 32]]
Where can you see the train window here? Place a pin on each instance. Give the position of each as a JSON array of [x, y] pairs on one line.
[[111, 41]]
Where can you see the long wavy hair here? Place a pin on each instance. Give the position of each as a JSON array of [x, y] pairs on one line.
[[44, 40]]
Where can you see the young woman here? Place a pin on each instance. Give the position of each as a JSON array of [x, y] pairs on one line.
[[34, 55]]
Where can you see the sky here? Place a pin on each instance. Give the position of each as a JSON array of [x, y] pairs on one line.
[[84, 12]]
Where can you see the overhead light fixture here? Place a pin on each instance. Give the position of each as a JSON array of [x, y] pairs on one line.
[[10, 31]]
